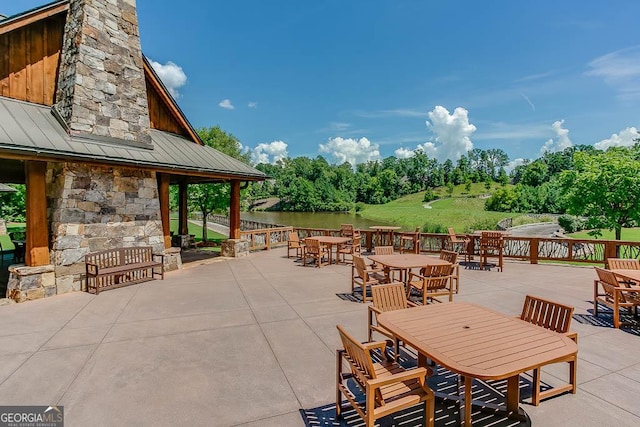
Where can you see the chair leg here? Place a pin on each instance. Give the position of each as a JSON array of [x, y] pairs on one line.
[[338, 381]]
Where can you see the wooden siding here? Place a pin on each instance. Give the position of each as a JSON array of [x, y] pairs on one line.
[[160, 116], [29, 59]]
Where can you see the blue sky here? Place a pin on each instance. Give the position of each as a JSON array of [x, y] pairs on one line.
[[363, 79]]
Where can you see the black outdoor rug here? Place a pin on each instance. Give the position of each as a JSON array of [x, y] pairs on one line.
[[446, 410]]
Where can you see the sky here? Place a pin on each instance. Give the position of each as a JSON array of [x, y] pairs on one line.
[[360, 80]]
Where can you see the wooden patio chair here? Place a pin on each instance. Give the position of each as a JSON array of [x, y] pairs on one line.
[[458, 244], [452, 257], [410, 241], [387, 297], [433, 281], [295, 244], [387, 386], [624, 264], [316, 251], [353, 248], [608, 291], [556, 317], [491, 245], [365, 276]]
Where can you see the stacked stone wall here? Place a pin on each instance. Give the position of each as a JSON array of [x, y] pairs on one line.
[[95, 208]]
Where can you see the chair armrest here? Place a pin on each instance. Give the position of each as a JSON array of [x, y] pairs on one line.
[[411, 374], [382, 345], [411, 304], [412, 274], [374, 309]]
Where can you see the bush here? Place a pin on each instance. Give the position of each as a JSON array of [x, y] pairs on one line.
[[485, 224], [433, 228], [429, 196], [571, 223]]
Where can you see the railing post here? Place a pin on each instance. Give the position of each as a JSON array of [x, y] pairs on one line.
[[533, 250], [268, 242]]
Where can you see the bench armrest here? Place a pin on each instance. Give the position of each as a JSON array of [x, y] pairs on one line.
[[92, 268], [161, 256]]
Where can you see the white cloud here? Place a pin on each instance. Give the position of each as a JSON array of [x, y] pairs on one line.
[[252, 104], [226, 104], [269, 153], [453, 132], [513, 164], [625, 138], [561, 141], [620, 70], [171, 75], [526, 98], [404, 153], [354, 151]]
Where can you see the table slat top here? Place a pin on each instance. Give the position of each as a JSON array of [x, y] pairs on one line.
[[628, 274], [475, 341]]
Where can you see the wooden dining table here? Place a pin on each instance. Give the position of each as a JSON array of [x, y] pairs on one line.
[[330, 242], [476, 342], [405, 262]]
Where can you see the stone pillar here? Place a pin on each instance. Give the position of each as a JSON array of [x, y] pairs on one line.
[[28, 283], [172, 259], [235, 248]]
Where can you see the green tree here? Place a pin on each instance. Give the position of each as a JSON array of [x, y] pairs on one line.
[[12, 204], [210, 198], [603, 187]]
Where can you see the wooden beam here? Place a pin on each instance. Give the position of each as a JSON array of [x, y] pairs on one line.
[[183, 228], [37, 240], [163, 196], [32, 17], [234, 210]]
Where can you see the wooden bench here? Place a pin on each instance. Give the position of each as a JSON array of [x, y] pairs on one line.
[[114, 268]]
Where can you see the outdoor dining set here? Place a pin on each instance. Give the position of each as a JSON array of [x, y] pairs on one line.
[[469, 340]]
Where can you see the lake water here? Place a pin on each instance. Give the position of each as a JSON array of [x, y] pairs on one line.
[[311, 219]]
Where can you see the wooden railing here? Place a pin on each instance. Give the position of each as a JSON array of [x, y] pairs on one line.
[[532, 249], [266, 238]]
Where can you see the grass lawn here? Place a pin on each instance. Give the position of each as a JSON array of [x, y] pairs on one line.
[[463, 214], [197, 231], [628, 234]]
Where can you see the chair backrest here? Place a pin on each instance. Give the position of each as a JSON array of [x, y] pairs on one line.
[[293, 236], [359, 357], [383, 250], [450, 256], [346, 230], [313, 245], [356, 244], [452, 236], [608, 280], [361, 266], [547, 314], [623, 264], [491, 240], [438, 276], [389, 297]]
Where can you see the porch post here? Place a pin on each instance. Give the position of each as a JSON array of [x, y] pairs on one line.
[[163, 196], [183, 228], [37, 240], [234, 210]]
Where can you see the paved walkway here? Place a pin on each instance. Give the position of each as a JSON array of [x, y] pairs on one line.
[[251, 341]]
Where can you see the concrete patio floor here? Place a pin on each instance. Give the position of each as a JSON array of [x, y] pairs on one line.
[[251, 341]]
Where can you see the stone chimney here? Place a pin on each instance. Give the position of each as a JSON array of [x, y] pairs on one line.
[[101, 85]]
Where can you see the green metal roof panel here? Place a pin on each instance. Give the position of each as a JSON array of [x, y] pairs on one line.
[[32, 129]]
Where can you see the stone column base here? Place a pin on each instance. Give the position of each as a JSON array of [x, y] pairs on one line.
[[172, 259], [235, 248], [29, 283]]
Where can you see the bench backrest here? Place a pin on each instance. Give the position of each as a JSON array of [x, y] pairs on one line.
[[120, 256]]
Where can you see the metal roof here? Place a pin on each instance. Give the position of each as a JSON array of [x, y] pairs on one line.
[[32, 130]]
